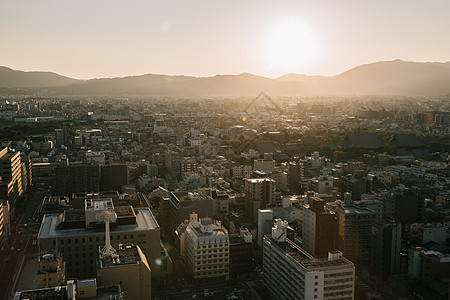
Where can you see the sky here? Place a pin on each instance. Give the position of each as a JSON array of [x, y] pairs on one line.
[[107, 38]]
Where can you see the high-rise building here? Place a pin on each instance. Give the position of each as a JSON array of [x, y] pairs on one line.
[[129, 267], [77, 234], [77, 178], [176, 207], [206, 248], [113, 177], [355, 232], [386, 247], [265, 223], [294, 176], [319, 228], [61, 136], [3, 233], [258, 193], [11, 187], [290, 272]]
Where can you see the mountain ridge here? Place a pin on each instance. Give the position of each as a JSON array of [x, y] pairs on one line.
[[395, 77]]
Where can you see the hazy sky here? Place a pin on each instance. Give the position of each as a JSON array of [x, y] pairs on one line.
[[107, 38]]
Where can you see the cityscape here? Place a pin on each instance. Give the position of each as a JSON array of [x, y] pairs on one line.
[[273, 184]]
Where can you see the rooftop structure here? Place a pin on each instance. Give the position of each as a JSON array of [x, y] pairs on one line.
[[290, 272]]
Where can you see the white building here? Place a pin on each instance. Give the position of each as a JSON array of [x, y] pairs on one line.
[[292, 273], [206, 248]]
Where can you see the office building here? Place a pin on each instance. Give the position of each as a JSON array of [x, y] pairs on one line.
[[73, 290], [77, 178], [258, 193], [176, 207], [355, 232], [206, 248], [386, 247], [113, 177], [319, 228], [61, 136], [11, 187], [241, 263], [290, 272], [129, 267], [77, 234], [265, 223], [3, 225], [51, 271], [294, 176]]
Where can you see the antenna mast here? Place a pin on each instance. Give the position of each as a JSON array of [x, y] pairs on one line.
[[107, 216]]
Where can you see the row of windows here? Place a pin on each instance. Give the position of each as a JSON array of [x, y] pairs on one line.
[[210, 251], [212, 261], [212, 245], [97, 239]]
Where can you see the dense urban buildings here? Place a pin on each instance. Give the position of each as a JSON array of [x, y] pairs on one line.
[[360, 187]]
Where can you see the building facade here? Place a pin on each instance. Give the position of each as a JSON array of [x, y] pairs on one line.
[[290, 272]]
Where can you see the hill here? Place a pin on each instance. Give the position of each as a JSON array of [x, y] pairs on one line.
[[381, 78], [10, 78]]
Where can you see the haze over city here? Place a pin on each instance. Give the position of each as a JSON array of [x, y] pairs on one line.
[[224, 150], [91, 39]]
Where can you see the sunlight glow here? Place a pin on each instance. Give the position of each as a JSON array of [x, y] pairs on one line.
[[291, 46]]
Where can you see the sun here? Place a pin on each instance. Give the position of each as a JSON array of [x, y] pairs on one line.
[[290, 46]]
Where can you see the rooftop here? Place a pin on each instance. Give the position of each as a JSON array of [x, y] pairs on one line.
[[145, 220], [99, 204], [127, 254], [355, 210], [306, 260]]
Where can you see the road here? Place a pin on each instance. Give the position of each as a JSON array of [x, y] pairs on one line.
[[217, 290], [23, 228]]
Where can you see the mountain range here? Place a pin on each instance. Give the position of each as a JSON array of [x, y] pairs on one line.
[[381, 78]]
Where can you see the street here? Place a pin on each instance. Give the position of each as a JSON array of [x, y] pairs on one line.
[[24, 227]]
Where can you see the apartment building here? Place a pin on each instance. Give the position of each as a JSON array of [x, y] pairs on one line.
[[290, 272]]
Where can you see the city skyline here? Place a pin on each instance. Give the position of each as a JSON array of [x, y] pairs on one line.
[[109, 39]]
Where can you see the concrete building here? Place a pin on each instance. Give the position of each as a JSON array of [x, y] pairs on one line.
[[51, 271], [258, 193], [206, 248], [322, 185], [265, 223], [113, 177], [290, 272], [240, 254], [77, 178], [73, 290], [319, 228], [11, 176], [4, 213], [266, 164], [294, 176], [386, 247], [61, 136], [76, 234], [130, 268], [355, 232], [176, 207]]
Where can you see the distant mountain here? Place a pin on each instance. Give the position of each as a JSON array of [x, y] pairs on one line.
[[381, 78], [10, 78]]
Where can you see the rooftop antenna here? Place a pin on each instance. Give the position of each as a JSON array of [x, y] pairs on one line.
[[107, 216]]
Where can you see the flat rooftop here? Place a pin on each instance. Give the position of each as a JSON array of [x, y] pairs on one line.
[[145, 220], [99, 204], [306, 260], [355, 210], [128, 254]]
